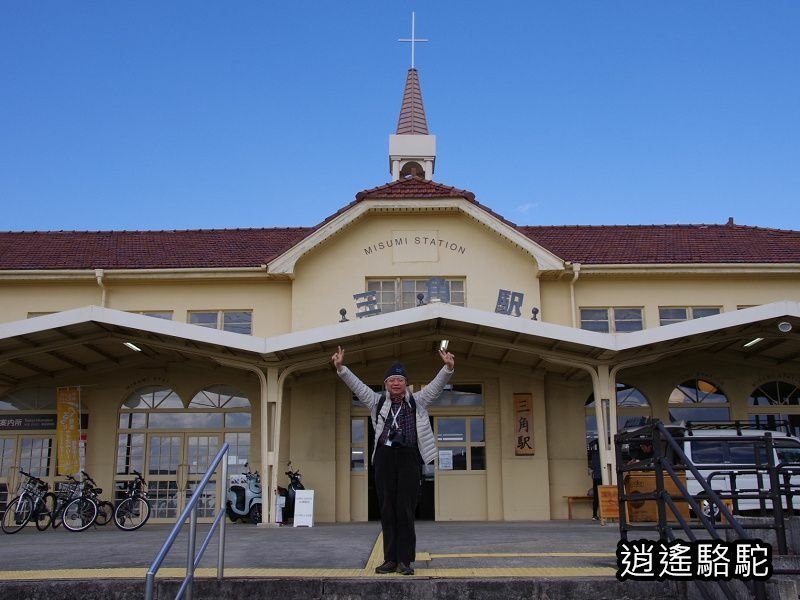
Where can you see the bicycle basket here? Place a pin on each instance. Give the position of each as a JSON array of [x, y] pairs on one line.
[[68, 490]]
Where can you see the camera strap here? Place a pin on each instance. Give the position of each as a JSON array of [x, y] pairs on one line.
[[395, 414], [382, 400]]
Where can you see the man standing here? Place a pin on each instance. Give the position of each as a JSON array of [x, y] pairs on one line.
[[403, 441], [596, 473]]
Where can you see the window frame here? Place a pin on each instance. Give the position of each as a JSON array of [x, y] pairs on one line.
[[398, 292], [690, 313], [220, 318], [611, 320], [467, 443]]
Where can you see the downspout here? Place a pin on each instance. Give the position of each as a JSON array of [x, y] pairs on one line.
[[576, 271], [98, 274]]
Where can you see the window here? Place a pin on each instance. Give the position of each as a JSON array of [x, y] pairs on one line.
[[788, 452], [669, 314], [218, 407], [633, 410], [464, 437], [776, 405], [707, 452], [612, 320], [460, 395], [698, 400], [235, 321], [157, 314], [358, 444], [400, 293]]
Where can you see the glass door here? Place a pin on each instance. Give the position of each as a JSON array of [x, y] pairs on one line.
[[32, 454], [8, 454], [164, 461], [176, 462], [200, 451]]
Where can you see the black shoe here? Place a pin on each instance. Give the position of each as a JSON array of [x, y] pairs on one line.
[[405, 569], [595, 518], [388, 567]]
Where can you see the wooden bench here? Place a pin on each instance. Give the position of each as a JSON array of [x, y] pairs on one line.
[[571, 499]]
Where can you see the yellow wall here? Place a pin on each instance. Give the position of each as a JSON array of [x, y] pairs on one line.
[[328, 276], [315, 423], [17, 299]]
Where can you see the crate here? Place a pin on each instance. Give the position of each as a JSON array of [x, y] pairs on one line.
[[640, 510]]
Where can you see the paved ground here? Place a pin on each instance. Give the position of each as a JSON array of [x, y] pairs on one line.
[[454, 549]]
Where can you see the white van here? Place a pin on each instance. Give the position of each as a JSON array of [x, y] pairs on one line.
[[740, 452]]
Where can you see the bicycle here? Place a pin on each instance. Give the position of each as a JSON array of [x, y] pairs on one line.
[[105, 509], [71, 506], [134, 510], [29, 504], [56, 501]]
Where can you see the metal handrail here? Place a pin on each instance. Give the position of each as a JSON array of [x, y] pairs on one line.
[[657, 432], [190, 512]]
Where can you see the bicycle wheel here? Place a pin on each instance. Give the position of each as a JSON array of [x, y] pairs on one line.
[[18, 513], [58, 515], [105, 512], [79, 514], [131, 513], [45, 516]]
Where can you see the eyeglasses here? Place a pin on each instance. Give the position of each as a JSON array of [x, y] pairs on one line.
[[396, 379]]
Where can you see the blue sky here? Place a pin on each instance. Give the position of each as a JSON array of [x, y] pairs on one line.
[[183, 115]]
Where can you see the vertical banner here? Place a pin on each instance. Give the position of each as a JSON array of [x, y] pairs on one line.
[[68, 429], [523, 425]]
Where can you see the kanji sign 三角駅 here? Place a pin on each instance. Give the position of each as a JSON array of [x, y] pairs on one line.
[[523, 425]]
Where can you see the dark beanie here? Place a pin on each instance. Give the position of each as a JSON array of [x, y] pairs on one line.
[[396, 369]]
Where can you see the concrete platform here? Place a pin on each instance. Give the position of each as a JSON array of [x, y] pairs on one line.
[[531, 560]]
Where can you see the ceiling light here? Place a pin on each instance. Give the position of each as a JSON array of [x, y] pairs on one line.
[[784, 327], [753, 342], [132, 346]]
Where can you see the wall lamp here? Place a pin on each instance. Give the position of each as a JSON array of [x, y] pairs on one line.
[[132, 346]]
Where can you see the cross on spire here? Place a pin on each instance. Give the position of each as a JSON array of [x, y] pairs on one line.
[[413, 39]]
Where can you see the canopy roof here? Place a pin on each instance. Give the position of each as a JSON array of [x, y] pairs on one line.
[[66, 348]]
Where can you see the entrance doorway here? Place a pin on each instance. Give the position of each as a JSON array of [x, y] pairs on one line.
[[172, 444], [176, 463], [33, 454]]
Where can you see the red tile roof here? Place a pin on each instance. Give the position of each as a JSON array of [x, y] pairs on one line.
[[206, 248], [413, 188], [668, 244], [229, 248]]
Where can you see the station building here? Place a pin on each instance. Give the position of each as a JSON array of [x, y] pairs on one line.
[[181, 340]]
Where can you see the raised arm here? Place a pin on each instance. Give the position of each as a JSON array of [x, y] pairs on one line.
[[358, 387]]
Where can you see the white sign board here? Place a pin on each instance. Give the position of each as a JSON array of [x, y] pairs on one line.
[[280, 504], [445, 460], [304, 508]]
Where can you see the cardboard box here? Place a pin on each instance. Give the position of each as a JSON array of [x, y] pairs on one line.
[[609, 502], [647, 510]]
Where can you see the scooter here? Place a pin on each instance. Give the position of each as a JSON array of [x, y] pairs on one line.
[[289, 493], [244, 497]]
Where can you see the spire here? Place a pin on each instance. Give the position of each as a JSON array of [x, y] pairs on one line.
[[412, 119], [412, 150]]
